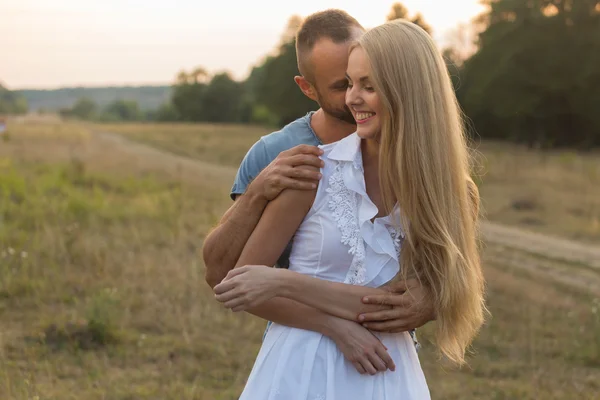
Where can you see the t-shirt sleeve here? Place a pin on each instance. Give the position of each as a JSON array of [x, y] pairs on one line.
[[254, 161]]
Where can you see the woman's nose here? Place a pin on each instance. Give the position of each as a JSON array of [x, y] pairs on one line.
[[351, 97]]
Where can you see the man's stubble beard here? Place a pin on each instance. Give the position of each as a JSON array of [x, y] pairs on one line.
[[344, 114]]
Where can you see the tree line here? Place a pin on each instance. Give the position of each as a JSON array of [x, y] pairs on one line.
[[11, 102], [533, 78]]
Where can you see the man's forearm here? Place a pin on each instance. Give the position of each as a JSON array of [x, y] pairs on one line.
[[225, 243]]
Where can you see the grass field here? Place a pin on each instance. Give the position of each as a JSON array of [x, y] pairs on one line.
[[550, 192], [101, 281]]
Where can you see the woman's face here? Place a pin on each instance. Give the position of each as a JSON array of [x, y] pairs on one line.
[[361, 97]]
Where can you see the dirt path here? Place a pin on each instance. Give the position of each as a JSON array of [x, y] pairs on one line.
[[543, 245], [207, 171], [534, 252]]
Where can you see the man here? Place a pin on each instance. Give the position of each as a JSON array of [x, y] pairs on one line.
[[322, 45]]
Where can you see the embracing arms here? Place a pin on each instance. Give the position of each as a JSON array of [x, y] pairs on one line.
[[279, 222], [223, 246]]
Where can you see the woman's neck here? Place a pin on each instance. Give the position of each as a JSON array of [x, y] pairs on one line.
[[370, 150]]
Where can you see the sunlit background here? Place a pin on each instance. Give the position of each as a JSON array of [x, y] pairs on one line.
[[89, 42], [123, 123]]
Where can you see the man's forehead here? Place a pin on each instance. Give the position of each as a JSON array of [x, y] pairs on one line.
[[330, 59], [327, 47]]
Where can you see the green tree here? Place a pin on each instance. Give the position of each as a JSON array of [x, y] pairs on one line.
[[271, 85], [122, 110], [166, 113], [11, 102], [277, 89], [221, 100], [187, 95], [534, 75], [399, 11], [84, 108]]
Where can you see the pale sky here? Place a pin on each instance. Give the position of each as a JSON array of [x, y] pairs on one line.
[[56, 43]]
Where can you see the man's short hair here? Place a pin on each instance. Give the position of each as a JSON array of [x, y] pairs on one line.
[[332, 24]]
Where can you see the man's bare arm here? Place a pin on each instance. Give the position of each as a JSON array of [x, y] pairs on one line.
[[224, 244]]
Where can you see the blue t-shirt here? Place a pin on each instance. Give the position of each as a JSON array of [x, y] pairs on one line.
[[268, 148]]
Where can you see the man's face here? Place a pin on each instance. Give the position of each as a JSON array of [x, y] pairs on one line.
[[329, 61]]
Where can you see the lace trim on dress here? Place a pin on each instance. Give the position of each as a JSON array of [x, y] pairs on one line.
[[344, 205], [397, 237]]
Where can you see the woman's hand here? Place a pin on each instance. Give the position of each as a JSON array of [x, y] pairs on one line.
[[247, 287]]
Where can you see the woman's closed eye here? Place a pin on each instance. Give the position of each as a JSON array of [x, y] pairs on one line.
[[369, 89]]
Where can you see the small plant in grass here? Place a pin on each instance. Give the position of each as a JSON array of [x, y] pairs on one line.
[[97, 329], [102, 316]]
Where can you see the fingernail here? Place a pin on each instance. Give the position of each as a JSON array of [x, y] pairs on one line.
[[320, 176], [361, 317], [366, 299], [313, 185]]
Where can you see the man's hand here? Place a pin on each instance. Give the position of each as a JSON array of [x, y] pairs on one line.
[[288, 171], [361, 347], [412, 307]]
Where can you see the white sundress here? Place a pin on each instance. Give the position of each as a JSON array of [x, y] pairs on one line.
[[338, 242]]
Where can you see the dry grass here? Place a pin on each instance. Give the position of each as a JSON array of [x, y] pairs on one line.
[[542, 342], [102, 293], [557, 193], [218, 144]]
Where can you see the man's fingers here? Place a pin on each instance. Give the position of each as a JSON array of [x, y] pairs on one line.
[[398, 300], [380, 316], [289, 183], [304, 149], [387, 359], [304, 159], [387, 326], [397, 287], [304, 173]]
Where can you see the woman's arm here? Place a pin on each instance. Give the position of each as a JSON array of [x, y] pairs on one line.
[[339, 299]]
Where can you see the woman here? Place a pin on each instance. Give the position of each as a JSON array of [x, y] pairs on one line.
[[396, 192]]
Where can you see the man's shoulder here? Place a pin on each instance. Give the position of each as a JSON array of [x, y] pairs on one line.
[[265, 150], [293, 134]]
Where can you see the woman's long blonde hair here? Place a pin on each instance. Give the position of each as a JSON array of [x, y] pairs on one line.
[[424, 167]]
